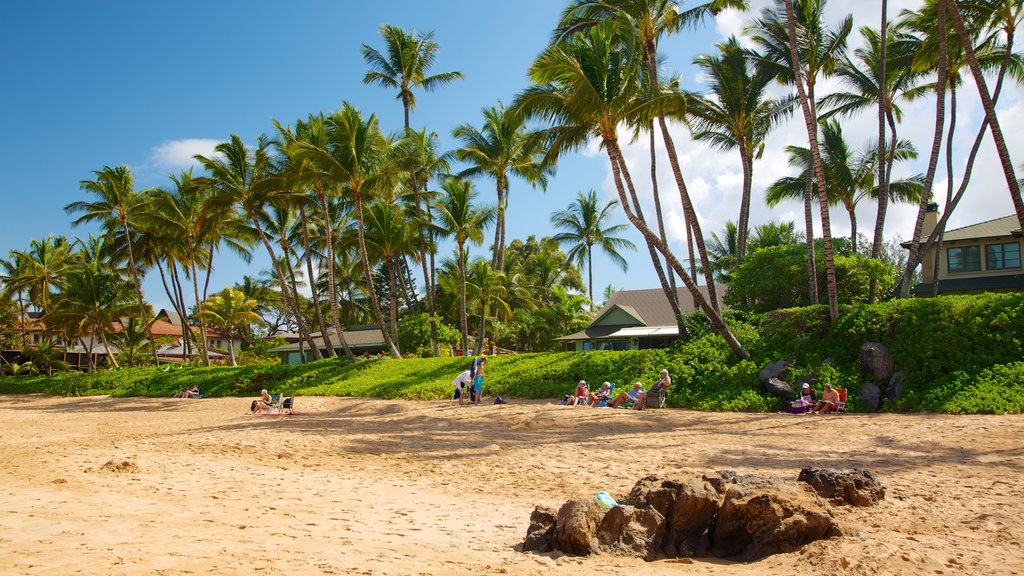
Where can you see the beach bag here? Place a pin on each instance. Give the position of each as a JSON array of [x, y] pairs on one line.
[[499, 400], [252, 408]]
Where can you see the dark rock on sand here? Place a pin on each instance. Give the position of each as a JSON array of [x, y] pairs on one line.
[[541, 530], [630, 531], [856, 487], [576, 527]]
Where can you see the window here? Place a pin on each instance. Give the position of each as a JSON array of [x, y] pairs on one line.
[[1002, 256], [964, 259]]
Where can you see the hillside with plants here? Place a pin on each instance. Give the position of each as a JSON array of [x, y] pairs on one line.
[[962, 354]]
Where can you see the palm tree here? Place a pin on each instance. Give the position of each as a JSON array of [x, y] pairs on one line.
[[230, 311], [501, 149], [585, 223], [118, 206], [94, 296], [427, 163], [388, 237], [723, 252], [409, 57], [989, 106], [460, 218], [488, 288], [314, 131], [360, 159], [42, 268], [739, 115], [881, 73], [585, 87], [647, 21], [13, 275], [245, 177], [773, 234], [850, 175], [801, 57]]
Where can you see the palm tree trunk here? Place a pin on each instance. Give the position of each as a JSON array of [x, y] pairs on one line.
[[498, 221], [332, 287], [810, 122], [294, 294], [374, 302], [590, 273], [143, 313], [481, 335], [941, 228], [285, 293], [392, 264], [501, 253], [463, 322], [110, 353], [181, 308], [883, 173], [672, 295], [615, 156], [427, 279], [24, 320], [324, 329], [990, 110], [199, 314], [933, 160], [431, 293], [812, 268], [743, 226], [231, 349], [673, 299], [853, 229]]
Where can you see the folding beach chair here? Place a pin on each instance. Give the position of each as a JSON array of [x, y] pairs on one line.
[[841, 405]]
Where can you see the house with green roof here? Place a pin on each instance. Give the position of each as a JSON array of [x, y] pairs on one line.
[[982, 257], [635, 320]]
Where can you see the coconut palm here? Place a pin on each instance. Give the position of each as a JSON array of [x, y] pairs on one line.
[[364, 162], [585, 223], [773, 234], [988, 105], [878, 75], [118, 207], [738, 114], [388, 238], [43, 269], [488, 288], [93, 297], [800, 49], [409, 56], [12, 274], [850, 175], [502, 148], [245, 177], [230, 311], [314, 131], [722, 251], [647, 21], [460, 218], [585, 86]]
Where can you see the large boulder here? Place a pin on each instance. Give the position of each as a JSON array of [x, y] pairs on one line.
[[755, 521], [778, 388], [876, 360], [776, 369], [630, 531], [576, 527], [541, 530], [897, 384], [870, 396], [856, 487], [688, 526]]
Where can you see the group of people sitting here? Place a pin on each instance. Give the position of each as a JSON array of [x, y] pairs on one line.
[[806, 404], [636, 396]]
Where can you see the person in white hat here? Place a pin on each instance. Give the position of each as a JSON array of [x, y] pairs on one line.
[[581, 395], [806, 400]]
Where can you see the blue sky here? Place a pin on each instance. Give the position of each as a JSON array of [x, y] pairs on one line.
[[148, 84]]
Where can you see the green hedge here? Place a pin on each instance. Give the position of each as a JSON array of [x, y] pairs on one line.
[[961, 354]]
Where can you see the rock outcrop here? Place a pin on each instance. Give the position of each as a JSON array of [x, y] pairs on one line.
[[856, 487]]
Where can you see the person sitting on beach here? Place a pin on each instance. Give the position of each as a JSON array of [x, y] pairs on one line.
[[263, 403], [829, 402], [192, 392], [461, 383], [581, 396], [805, 402], [604, 393], [631, 396], [656, 389]]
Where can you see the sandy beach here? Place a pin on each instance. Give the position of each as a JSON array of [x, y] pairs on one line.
[[104, 485]]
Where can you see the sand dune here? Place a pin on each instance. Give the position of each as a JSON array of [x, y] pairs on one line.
[[169, 486]]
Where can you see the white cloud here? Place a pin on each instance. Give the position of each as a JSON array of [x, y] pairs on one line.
[[178, 154]]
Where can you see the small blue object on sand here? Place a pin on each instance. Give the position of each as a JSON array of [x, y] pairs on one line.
[[606, 499]]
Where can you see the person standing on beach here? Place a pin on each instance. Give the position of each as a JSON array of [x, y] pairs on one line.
[[478, 380]]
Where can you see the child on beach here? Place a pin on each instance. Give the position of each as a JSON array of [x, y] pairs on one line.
[[478, 380]]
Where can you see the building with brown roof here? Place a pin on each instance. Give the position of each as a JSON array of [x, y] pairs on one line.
[[635, 320], [983, 257]]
